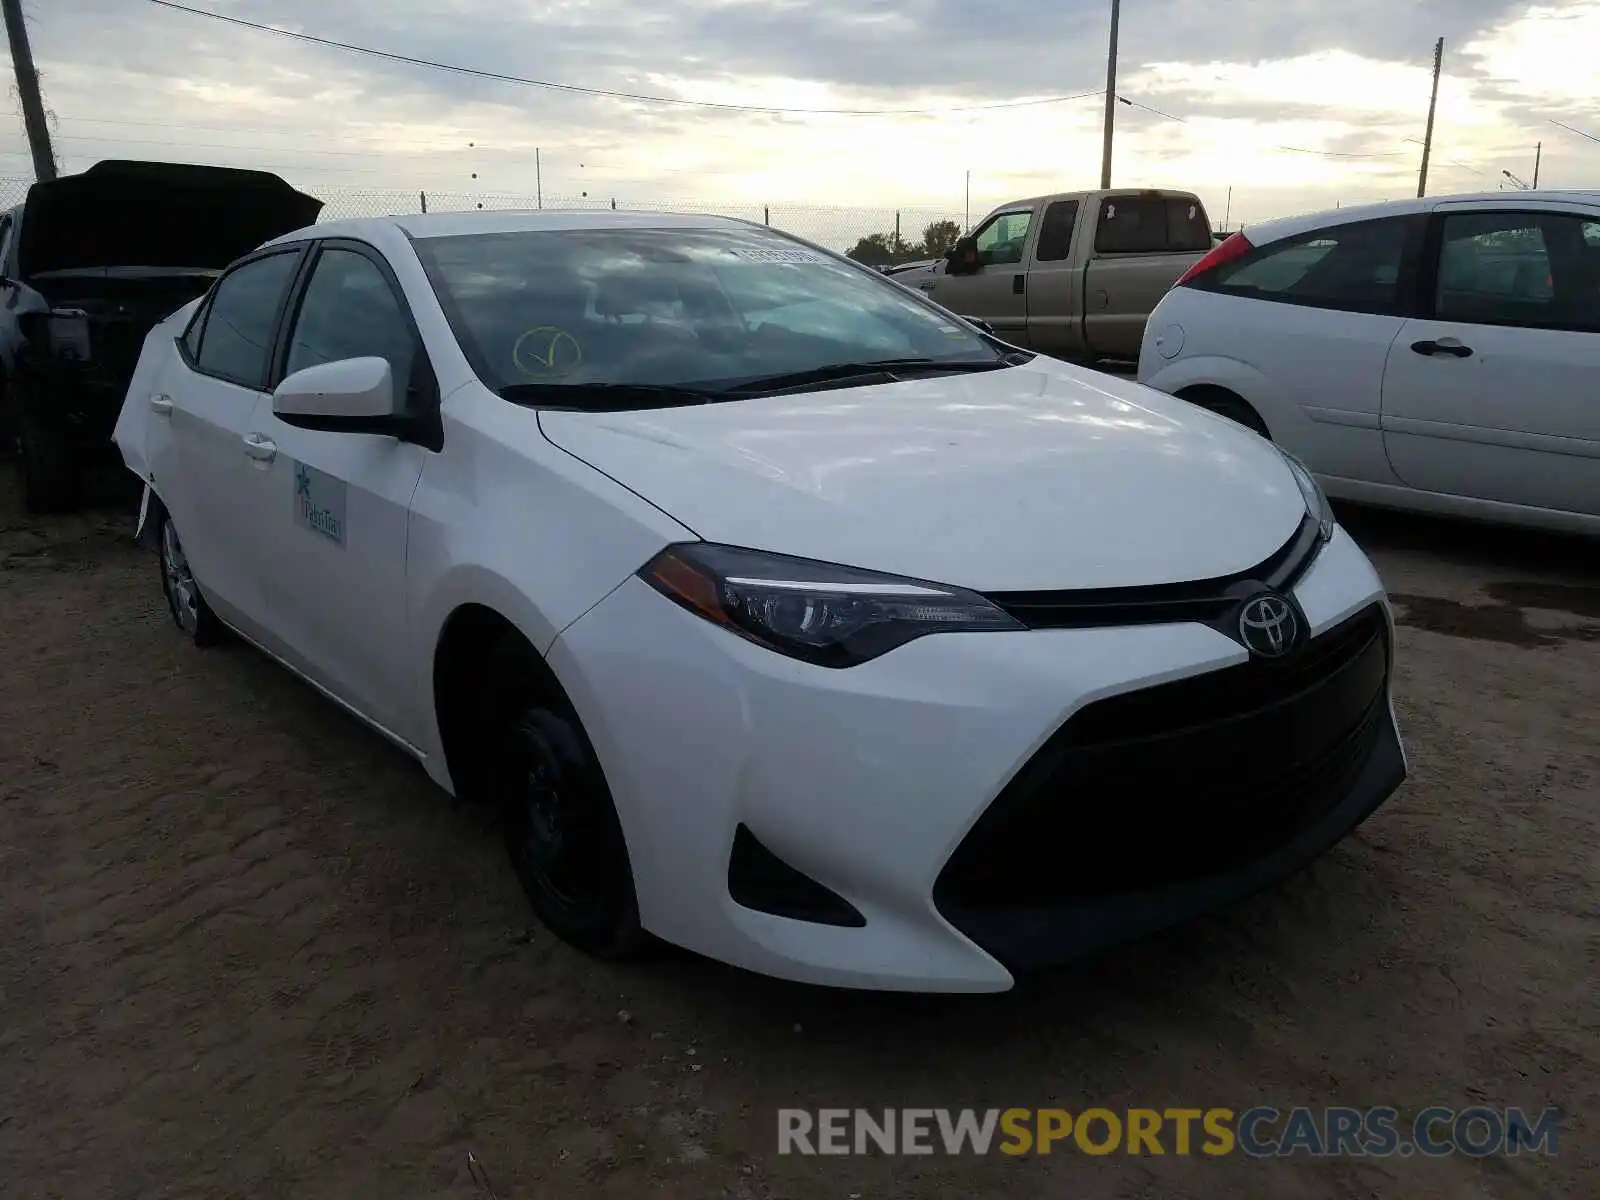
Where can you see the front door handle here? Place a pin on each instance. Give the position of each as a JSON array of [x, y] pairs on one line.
[[1443, 346], [1018, 284], [262, 449], [161, 405]]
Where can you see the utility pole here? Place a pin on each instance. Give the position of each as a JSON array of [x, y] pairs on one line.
[[538, 179], [1433, 105], [1111, 95], [967, 224], [44, 159], [1538, 153]]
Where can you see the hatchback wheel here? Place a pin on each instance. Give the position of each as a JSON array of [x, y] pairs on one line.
[[190, 612], [560, 826]]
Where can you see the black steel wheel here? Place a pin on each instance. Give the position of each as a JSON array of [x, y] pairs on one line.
[[560, 825]]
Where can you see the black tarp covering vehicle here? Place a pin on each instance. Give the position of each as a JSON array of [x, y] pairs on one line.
[[90, 264]]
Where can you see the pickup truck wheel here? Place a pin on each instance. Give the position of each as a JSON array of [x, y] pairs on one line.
[[560, 825], [190, 612], [1225, 404], [8, 421], [49, 471]]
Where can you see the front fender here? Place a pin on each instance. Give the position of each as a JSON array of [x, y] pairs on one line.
[[1215, 370]]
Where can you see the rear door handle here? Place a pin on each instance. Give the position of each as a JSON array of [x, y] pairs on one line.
[[161, 405], [1443, 346], [262, 449], [1018, 284]]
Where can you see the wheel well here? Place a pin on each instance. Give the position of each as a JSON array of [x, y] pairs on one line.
[[470, 637], [1225, 403]]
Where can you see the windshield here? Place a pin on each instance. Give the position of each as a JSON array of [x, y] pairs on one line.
[[708, 309]]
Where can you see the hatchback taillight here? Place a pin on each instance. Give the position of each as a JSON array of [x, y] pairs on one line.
[[1226, 250]]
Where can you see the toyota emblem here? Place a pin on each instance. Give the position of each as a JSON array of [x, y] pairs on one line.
[[1268, 626]]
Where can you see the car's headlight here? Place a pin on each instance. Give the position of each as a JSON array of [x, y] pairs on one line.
[[1316, 500], [825, 614]]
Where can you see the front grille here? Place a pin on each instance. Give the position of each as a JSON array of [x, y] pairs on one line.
[[1211, 602], [1179, 781]]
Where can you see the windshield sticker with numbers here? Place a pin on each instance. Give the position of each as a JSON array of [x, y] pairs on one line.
[[319, 503], [776, 254]]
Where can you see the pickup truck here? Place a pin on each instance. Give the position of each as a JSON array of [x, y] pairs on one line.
[[1075, 275]]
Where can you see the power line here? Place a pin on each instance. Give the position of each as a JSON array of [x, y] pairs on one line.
[[1290, 149], [1579, 132], [609, 94], [1157, 111], [121, 141], [386, 150], [1338, 153]]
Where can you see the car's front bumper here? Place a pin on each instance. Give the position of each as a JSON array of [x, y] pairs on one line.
[[867, 780]]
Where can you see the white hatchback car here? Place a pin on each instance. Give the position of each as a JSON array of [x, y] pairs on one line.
[[1440, 354], [782, 614]]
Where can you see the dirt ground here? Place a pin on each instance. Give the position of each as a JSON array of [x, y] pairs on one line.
[[246, 950]]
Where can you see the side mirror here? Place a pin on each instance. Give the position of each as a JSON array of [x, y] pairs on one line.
[[981, 325], [963, 258], [352, 395]]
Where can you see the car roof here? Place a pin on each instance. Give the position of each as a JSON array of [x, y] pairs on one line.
[[1282, 227], [429, 225]]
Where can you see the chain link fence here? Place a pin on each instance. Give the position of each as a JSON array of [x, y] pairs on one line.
[[839, 227]]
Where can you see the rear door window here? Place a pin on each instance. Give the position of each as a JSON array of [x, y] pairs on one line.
[[237, 339], [1055, 232], [1353, 268], [1151, 225]]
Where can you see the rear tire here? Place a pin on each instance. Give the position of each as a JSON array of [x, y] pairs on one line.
[[560, 826], [1225, 404], [51, 482], [188, 608]]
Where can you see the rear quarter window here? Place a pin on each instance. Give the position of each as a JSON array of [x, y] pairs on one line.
[[1359, 267], [1152, 225]]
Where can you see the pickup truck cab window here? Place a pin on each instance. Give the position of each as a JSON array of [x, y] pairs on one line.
[[1004, 237]]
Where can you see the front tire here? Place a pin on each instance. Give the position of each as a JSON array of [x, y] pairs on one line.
[[560, 826], [188, 608]]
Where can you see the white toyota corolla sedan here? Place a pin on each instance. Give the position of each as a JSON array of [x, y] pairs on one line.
[[783, 615]]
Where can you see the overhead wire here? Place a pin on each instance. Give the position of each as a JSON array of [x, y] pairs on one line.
[[609, 93]]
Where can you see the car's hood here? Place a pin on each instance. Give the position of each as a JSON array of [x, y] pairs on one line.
[[1036, 477], [150, 214]]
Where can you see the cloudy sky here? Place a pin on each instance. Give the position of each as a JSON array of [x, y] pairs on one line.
[[1249, 86]]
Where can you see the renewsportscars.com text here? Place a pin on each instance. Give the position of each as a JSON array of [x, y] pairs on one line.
[[1259, 1132]]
